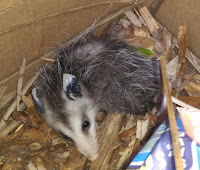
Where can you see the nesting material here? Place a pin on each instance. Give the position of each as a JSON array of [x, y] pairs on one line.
[[28, 142]]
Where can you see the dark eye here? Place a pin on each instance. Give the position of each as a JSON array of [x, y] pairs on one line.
[[86, 125]]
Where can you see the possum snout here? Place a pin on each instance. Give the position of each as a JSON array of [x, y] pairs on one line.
[[89, 148]]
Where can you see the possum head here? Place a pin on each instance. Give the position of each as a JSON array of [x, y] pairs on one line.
[[73, 114]]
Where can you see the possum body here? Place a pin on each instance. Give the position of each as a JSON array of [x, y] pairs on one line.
[[91, 75]]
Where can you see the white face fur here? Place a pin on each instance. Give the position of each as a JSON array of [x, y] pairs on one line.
[[77, 120]]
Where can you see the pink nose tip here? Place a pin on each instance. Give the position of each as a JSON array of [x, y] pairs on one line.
[[93, 157]]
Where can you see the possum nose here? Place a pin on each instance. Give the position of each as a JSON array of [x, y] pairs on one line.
[[93, 157], [94, 152]]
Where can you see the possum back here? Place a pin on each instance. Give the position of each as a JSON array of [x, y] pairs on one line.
[[115, 75]]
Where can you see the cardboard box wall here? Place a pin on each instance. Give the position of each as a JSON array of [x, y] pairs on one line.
[[29, 29]]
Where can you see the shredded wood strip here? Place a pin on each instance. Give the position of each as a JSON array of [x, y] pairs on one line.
[[171, 116], [126, 154], [133, 18], [167, 43], [2, 90], [193, 60], [183, 44], [150, 22], [20, 83], [137, 13]]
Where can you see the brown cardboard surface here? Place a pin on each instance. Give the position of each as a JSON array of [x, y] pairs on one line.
[[25, 32], [8, 4], [173, 13]]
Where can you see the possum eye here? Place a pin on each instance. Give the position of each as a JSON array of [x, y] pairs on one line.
[[86, 125]]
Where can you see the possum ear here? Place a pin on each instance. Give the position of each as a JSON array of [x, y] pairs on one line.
[[71, 86], [37, 102]]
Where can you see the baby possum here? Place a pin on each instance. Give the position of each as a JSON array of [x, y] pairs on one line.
[[90, 75]]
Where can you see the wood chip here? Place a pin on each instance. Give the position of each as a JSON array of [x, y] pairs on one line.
[[28, 101], [142, 126], [128, 27], [30, 119], [127, 133], [133, 18], [151, 23], [126, 154], [191, 100], [167, 44], [192, 87], [107, 138]]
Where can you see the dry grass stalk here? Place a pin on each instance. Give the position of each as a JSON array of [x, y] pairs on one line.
[[112, 2], [150, 22], [47, 59], [13, 105], [139, 16], [193, 60], [2, 90], [183, 44], [114, 15], [171, 116], [133, 18], [20, 83], [9, 128]]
